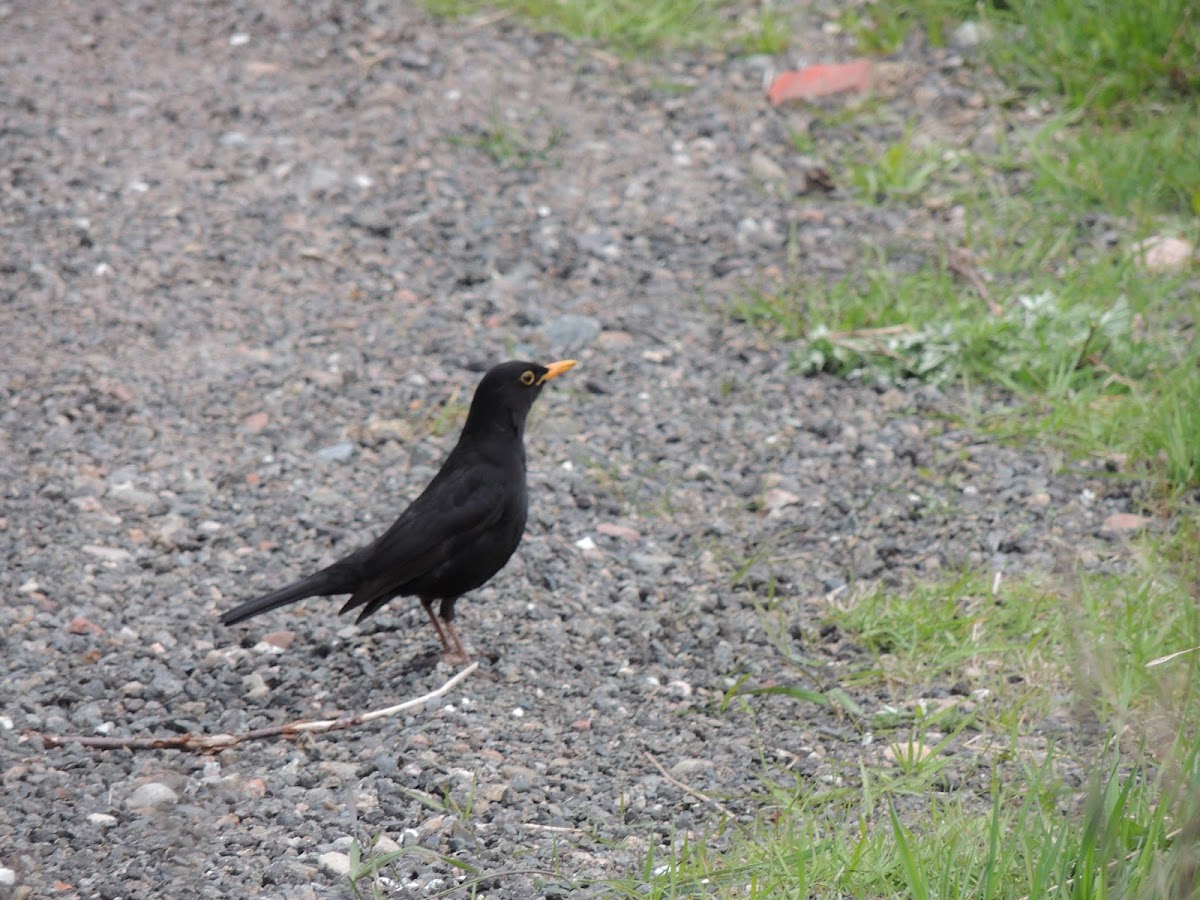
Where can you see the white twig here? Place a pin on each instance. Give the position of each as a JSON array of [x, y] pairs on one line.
[[689, 790], [221, 741], [1169, 657]]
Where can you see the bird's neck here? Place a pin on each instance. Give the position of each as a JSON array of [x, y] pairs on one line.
[[510, 426], [500, 448]]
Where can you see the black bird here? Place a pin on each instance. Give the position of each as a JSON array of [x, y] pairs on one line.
[[461, 530]]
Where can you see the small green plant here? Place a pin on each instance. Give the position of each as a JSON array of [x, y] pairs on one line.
[[882, 27], [375, 871], [875, 33], [802, 141], [900, 172], [768, 33], [510, 147]]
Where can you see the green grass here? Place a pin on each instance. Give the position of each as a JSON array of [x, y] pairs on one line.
[[1037, 812], [1146, 165], [1101, 54], [1127, 76], [1042, 296], [1132, 838], [1105, 54], [641, 26], [1130, 841], [1101, 360], [881, 27]]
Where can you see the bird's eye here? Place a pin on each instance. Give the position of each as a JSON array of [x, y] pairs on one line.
[[527, 377]]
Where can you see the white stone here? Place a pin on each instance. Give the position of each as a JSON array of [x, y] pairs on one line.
[[108, 554], [1164, 254], [334, 863], [155, 793]]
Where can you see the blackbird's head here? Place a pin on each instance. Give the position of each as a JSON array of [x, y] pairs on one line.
[[506, 393]]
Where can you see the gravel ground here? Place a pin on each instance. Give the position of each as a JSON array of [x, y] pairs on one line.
[[254, 258]]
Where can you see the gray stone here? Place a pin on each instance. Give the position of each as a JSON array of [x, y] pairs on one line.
[[152, 794], [339, 452], [334, 863]]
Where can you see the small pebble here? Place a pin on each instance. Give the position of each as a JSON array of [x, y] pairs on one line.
[[968, 35], [112, 555], [680, 688], [385, 844], [334, 863], [151, 794], [255, 686], [689, 766], [339, 452], [1123, 522]]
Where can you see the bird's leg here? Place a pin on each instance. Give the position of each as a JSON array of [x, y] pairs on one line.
[[459, 654], [455, 655], [452, 650], [437, 624]]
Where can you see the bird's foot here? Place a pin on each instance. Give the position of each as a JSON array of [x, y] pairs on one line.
[[454, 653], [454, 650]]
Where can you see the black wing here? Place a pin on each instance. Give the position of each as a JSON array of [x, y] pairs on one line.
[[457, 507]]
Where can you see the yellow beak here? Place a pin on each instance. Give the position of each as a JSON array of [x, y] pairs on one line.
[[556, 368]]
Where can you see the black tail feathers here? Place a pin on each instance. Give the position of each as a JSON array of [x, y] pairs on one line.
[[320, 584]]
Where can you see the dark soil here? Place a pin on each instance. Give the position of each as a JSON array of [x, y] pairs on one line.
[[253, 260]]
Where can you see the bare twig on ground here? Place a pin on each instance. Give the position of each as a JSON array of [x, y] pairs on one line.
[[869, 340], [960, 264], [882, 331], [1169, 657], [688, 790], [204, 742], [1113, 376], [553, 829]]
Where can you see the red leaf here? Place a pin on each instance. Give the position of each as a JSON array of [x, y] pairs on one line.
[[812, 82]]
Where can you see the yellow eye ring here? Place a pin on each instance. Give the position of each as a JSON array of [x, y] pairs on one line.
[[527, 377]]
